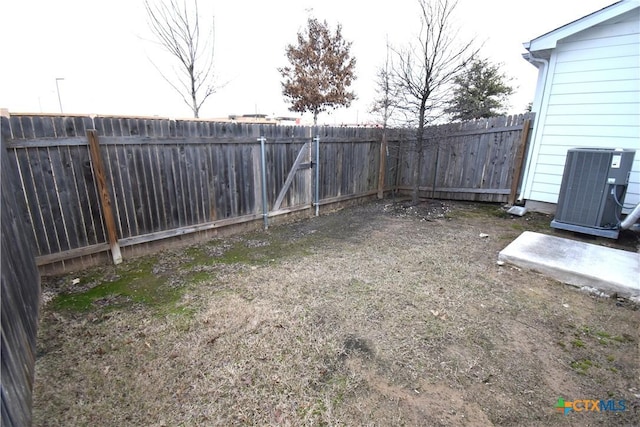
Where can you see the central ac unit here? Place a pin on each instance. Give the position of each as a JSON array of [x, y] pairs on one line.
[[593, 187]]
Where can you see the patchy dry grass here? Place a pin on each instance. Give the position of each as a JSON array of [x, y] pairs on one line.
[[376, 315]]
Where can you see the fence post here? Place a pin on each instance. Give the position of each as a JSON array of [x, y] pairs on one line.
[[316, 139], [519, 161], [383, 162], [265, 207], [105, 200]]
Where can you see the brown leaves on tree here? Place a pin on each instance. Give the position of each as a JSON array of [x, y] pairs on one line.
[[320, 72]]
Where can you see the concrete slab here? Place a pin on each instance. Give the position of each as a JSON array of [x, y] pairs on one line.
[[576, 263]]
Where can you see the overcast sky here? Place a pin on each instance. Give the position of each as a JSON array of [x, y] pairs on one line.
[[102, 50]]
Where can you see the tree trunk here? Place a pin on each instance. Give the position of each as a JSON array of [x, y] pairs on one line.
[[417, 152], [417, 162], [194, 97]]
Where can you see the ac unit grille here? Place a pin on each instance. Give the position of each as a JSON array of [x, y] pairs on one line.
[[586, 202], [583, 186]]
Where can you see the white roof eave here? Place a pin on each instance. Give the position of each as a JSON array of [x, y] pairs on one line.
[[550, 39]]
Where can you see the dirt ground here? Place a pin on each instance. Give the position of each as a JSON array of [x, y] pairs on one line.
[[377, 315]]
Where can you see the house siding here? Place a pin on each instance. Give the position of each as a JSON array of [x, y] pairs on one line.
[[592, 100]]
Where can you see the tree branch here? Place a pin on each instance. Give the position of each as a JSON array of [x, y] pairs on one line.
[[178, 31]]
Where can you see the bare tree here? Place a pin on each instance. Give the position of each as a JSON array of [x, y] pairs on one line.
[[177, 29], [320, 72], [384, 103], [384, 107], [425, 69]]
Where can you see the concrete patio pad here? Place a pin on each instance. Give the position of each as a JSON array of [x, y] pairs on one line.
[[576, 263]]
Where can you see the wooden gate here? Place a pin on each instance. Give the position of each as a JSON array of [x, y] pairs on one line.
[[301, 171], [295, 193]]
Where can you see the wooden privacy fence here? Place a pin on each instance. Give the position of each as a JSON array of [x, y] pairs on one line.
[[479, 160], [98, 185], [137, 180]]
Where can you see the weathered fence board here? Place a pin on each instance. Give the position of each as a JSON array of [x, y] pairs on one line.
[[478, 156], [20, 299], [349, 167]]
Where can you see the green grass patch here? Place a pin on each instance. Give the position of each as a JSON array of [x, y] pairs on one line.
[[582, 366], [577, 343], [134, 284], [252, 249], [622, 338], [603, 337]]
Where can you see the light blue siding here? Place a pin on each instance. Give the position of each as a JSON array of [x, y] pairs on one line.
[[591, 98]]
